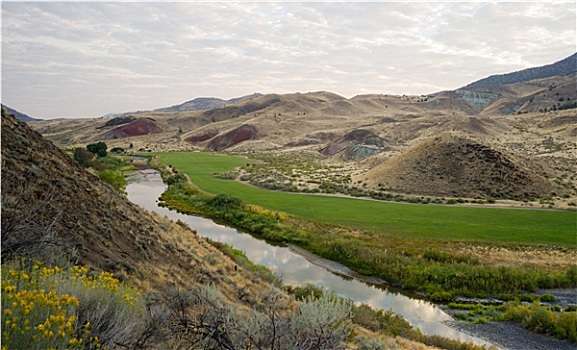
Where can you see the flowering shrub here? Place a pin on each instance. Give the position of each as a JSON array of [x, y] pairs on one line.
[[52, 308], [257, 209]]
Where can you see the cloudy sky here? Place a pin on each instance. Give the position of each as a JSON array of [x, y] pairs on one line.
[[86, 59]]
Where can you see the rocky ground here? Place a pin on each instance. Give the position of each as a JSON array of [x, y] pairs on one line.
[[511, 336]]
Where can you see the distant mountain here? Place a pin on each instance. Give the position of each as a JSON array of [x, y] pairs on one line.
[[20, 116], [204, 103], [564, 67]]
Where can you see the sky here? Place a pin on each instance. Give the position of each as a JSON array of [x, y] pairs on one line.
[[87, 59]]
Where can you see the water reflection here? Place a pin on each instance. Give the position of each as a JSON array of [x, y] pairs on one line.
[[146, 186]]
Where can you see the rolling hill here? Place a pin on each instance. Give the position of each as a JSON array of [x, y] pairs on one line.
[[514, 115]]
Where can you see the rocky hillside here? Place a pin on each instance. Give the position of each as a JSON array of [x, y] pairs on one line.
[[51, 204], [449, 165]]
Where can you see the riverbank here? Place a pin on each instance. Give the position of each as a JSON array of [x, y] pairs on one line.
[[296, 270], [339, 247], [504, 335]]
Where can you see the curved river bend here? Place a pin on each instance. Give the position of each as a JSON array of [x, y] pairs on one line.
[[146, 186]]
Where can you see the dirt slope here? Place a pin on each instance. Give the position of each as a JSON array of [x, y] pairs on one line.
[[449, 165]]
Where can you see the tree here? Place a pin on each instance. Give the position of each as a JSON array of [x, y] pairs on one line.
[[98, 148], [83, 157]]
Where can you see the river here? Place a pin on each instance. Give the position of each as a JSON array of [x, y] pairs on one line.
[[299, 268]]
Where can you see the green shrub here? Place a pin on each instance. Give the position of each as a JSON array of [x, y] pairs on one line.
[[547, 298], [540, 320], [98, 148], [176, 178], [386, 322], [516, 313], [307, 291], [365, 343], [83, 157], [117, 150], [441, 297], [461, 316], [115, 179], [566, 326], [224, 202], [481, 320]]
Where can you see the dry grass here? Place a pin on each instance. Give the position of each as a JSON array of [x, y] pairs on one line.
[[550, 257]]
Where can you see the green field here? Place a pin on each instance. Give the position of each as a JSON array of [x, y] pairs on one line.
[[411, 220]]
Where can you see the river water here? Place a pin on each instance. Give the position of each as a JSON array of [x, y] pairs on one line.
[[299, 268]]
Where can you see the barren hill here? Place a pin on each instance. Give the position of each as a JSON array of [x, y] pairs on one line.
[[449, 165]]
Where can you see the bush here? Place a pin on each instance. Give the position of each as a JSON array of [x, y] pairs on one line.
[[547, 298], [365, 343], [540, 320], [566, 326], [386, 322], [441, 297], [117, 150], [83, 157], [306, 291], [224, 202], [209, 323], [54, 308], [36, 318], [115, 179], [176, 178]]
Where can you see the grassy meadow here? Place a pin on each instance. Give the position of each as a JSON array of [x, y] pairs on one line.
[[519, 226]]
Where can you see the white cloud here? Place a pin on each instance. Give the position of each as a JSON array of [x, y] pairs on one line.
[[58, 58]]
